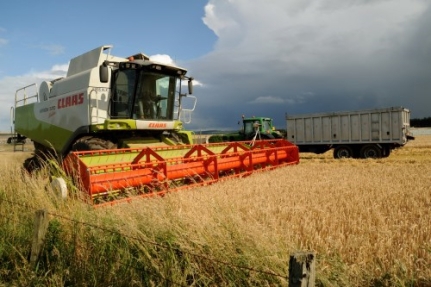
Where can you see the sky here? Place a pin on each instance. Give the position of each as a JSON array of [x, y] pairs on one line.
[[249, 57]]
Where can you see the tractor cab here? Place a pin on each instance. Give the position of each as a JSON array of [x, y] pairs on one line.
[[260, 127]]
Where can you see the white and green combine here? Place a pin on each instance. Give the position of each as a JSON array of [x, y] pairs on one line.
[[104, 102], [114, 124]]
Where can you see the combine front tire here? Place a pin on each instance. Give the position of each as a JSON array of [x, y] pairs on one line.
[[92, 143], [32, 164], [41, 155]]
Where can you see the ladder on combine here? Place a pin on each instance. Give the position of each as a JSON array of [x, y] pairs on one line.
[[18, 144], [17, 141], [112, 176], [23, 96]]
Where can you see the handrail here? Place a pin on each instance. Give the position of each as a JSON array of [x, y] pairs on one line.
[[25, 98], [12, 120], [90, 110], [185, 115]]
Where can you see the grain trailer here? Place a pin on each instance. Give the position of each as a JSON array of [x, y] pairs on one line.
[[372, 133]]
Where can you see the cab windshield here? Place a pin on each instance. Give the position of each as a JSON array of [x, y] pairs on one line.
[[253, 126], [266, 125], [138, 94]]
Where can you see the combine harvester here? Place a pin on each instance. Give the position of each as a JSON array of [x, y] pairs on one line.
[[115, 126]]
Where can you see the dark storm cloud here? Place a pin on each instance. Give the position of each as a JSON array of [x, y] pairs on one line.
[[303, 57]]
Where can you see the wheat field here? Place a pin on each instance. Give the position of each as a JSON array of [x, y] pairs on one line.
[[367, 221]]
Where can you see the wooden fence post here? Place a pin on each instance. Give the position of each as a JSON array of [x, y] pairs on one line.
[[40, 227], [302, 269]]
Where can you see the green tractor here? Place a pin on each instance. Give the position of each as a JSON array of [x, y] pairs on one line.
[[254, 128]]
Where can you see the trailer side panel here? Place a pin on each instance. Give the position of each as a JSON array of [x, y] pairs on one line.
[[387, 127]]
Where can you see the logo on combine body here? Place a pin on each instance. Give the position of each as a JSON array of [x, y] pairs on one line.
[[157, 125], [69, 101]]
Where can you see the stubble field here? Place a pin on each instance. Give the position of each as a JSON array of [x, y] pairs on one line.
[[367, 221]]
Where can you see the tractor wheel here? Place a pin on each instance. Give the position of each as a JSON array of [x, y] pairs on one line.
[[343, 151], [371, 151], [92, 143], [267, 136]]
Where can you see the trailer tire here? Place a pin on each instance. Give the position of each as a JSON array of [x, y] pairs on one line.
[[386, 151], [371, 151], [92, 143], [343, 151]]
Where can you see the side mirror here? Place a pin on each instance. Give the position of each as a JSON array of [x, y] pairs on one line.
[[104, 73], [190, 84]]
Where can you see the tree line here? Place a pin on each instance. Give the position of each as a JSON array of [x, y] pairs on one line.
[[420, 123]]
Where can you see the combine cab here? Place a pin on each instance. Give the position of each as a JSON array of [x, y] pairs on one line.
[[115, 126]]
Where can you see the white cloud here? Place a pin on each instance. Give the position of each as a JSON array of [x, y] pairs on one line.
[[60, 68], [166, 59], [55, 72], [307, 34], [3, 42], [218, 21], [197, 83], [52, 49], [267, 100], [9, 85], [162, 58]]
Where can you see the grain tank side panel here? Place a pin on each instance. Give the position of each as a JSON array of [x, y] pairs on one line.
[[378, 126]]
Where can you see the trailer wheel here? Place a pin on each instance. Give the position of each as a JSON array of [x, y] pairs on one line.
[[343, 151], [371, 151], [386, 151], [267, 137]]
